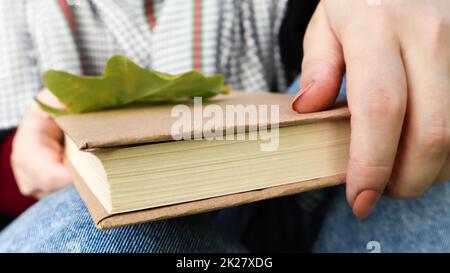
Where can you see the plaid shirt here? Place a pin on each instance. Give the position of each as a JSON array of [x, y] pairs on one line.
[[239, 39]]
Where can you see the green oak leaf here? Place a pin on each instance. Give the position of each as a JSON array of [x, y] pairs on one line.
[[124, 83]]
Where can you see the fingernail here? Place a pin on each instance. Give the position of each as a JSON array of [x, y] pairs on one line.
[[365, 203], [295, 103]]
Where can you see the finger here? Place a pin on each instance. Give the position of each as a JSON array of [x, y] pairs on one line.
[[47, 175], [50, 99], [57, 176], [50, 172], [426, 140], [377, 100], [323, 66]]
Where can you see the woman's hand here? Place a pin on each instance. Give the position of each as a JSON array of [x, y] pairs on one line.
[[37, 156], [397, 58]]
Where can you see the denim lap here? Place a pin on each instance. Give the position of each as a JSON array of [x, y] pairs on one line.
[[61, 223], [421, 225]]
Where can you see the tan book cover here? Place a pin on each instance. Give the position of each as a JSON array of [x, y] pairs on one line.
[[132, 126], [104, 221], [146, 125]]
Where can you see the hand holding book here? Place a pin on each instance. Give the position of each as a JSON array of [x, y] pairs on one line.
[[37, 157], [396, 58]]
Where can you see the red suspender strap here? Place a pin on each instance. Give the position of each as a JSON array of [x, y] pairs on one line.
[[197, 37], [65, 8], [68, 14], [149, 12]]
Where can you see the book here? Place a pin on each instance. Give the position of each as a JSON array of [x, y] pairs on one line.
[[131, 166]]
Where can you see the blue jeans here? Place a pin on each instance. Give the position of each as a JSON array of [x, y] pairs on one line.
[[421, 225], [61, 223]]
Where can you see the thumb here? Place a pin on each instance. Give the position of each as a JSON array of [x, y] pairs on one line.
[[63, 176], [322, 68]]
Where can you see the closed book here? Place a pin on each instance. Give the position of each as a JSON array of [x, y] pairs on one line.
[[139, 164]]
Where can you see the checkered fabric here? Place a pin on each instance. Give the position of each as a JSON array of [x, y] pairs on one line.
[[239, 39]]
